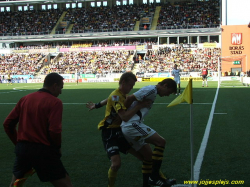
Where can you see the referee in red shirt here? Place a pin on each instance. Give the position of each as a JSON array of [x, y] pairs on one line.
[[38, 138]]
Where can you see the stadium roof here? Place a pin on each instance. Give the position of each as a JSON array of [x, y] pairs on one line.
[[113, 35]]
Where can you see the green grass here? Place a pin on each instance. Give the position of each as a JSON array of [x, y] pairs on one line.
[[226, 156]]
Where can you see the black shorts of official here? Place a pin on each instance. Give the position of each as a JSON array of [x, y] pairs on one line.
[[114, 141], [204, 77], [44, 159]]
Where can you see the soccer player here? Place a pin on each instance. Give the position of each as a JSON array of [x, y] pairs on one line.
[[9, 79], [176, 75], [112, 137], [204, 73], [140, 135], [38, 138]]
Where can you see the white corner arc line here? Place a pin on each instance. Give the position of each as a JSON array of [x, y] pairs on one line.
[[199, 158]]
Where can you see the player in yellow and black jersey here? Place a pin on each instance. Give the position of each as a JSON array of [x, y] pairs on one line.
[[9, 79], [113, 140]]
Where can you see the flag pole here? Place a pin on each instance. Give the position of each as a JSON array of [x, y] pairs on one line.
[[191, 135]]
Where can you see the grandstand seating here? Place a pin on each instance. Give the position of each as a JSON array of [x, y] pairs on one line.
[[109, 19]]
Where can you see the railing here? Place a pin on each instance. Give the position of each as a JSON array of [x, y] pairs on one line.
[[111, 30]]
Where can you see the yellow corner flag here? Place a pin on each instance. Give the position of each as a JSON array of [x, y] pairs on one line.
[[186, 96]]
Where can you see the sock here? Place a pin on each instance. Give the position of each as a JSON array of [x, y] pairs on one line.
[[162, 175], [146, 171], [157, 160], [20, 182], [111, 177]]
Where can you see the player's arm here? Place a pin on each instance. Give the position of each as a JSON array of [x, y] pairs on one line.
[[90, 105], [10, 124], [125, 115], [55, 124]]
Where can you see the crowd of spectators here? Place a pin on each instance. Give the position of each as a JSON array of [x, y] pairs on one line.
[[107, 19], [21, 64], [92, 62], [187, 59], [104, 62], [32, 22], [185, 14]]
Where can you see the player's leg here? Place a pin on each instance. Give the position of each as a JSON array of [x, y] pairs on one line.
[[157, 178], [13, 181], [114, 141], [206, 82], [158, 151], [203, 80], [20, 182], [63, 182], [134, 134], [147, 163], [179, 87], [115, 166], [22, 166]]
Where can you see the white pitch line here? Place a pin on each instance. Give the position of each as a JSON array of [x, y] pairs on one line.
[[199, 158]]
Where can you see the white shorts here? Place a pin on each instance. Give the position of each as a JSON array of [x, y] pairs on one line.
[[177, 80], [136, 133]]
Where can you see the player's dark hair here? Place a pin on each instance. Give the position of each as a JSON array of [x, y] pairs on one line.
[[170, 84], [51, 79], [127, 76]]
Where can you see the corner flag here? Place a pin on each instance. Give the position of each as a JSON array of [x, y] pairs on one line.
[[186, 96]]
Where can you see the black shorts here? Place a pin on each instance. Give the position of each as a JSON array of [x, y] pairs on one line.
[[114, 141], [204, 77], [44, 159]]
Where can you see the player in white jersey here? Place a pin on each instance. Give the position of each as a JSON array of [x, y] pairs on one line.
[[176, 75], [140, 135]]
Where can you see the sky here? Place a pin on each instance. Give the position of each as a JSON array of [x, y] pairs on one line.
[[238, 12]]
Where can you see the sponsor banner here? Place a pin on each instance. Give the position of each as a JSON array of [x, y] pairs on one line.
[[145, 79], [194, 78], [98, 80], [164, 74], [140, 75], [19, 81], [210, 45], [35, 80], [15, 81], [154, 79], [39, 50], [67, 76], [88, 76], [111, 48], [53, 50], [158, 79], [20, 51], [141, 47], [71, 80], [148, 75]]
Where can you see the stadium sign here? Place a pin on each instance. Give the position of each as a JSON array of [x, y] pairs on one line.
[[236, 38], [236, 41]]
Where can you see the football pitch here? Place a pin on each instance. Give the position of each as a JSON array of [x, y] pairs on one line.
[[221, 136]]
